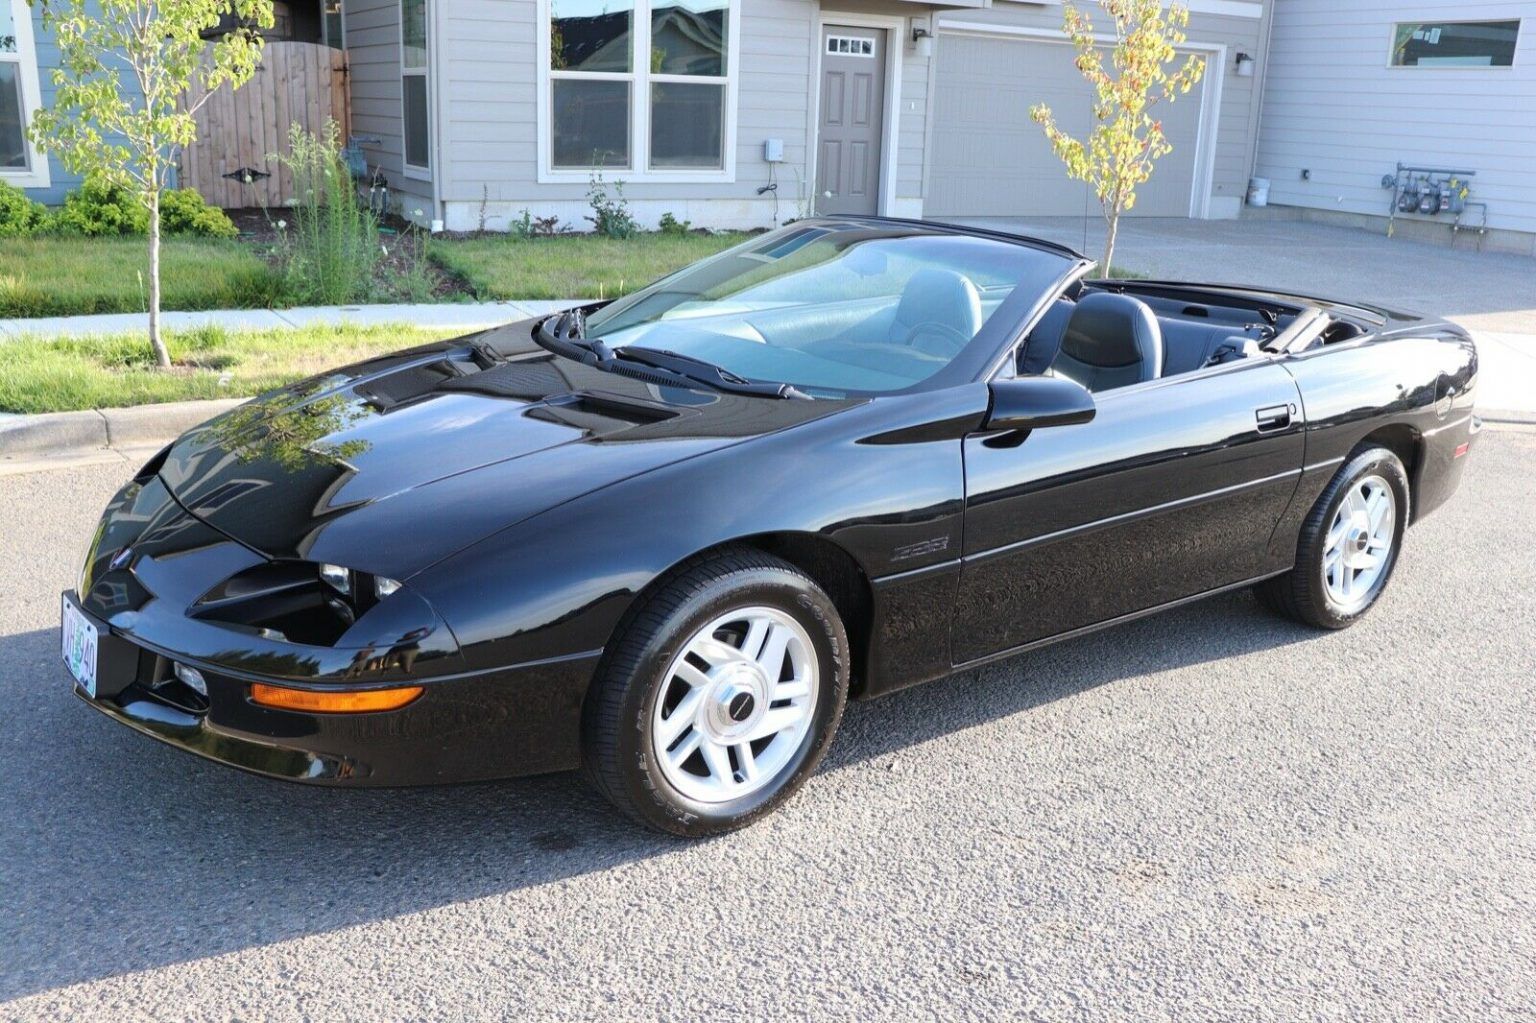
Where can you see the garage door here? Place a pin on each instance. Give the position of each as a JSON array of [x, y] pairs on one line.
[[991, 160]]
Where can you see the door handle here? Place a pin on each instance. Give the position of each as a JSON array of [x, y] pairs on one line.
[[1273, 417]]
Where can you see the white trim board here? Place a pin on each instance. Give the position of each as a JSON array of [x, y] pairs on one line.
[[890, 127], [1227, 8], [1210, 94]]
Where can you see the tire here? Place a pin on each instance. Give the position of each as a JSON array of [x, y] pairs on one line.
[[680, 672], [1327, 589]]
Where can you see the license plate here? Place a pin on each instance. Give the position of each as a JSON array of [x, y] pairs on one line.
[[78, 638]]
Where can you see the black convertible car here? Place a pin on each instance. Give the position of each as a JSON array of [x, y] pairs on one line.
[[666, 537]]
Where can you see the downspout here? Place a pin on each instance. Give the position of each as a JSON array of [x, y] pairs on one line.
[[439, 105], [1260, 81]]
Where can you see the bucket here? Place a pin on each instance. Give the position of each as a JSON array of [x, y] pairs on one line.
[[1258, 191]]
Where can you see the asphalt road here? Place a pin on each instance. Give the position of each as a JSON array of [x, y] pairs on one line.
[[1209, 814]]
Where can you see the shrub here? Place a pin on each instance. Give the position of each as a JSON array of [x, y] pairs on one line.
[[184, 211], [610, 214], [331, 248], [99, 207], [20, 216], [671, 225]]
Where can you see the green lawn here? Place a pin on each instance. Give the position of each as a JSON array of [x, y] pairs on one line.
[[40, 375], [571, 266], [62, 276]]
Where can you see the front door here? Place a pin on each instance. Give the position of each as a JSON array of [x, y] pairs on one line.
[[1173, 489], [849, 145]]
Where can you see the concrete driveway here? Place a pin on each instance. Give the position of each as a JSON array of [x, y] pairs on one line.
[[1210, 814], [1492, 294]]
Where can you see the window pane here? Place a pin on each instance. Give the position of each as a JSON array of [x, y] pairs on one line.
[[413, 14], [688, 37], [590, 35], [1455, 44], [13, 140], [417, 125], [686, 125], [591, 123], [7, 28], [334, 31]]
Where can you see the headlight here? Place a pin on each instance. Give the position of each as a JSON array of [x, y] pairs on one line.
[[385, 587], [337, 578]]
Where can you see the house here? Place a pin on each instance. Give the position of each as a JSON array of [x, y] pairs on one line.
[[740, 113], [1356, 87], [745, 113]]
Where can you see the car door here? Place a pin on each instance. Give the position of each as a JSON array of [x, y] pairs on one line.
[[1172, 490]]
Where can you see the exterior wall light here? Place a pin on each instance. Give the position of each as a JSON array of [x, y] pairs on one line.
[[1244, 65], [922, 41]]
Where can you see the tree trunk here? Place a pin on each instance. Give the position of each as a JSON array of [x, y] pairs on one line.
[[1112, 223], [162, 354]]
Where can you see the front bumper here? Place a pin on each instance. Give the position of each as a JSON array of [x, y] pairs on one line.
[[519, 720]]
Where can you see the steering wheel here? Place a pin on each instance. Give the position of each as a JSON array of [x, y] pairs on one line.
[[934, 338]]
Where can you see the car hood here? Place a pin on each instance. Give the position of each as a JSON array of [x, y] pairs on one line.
[[393, 464]]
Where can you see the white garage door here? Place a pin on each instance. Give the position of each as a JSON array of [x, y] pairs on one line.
[[991, 160]]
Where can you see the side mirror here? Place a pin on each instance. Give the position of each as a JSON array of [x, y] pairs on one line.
[[1028, 403]]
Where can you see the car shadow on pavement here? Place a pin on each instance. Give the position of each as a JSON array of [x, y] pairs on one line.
[[119, 854]]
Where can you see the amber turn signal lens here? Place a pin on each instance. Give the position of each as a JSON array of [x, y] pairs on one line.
[[358, 701]]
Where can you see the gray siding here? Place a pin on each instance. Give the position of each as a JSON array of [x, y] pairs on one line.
[[1239, 98], [1334, 107]]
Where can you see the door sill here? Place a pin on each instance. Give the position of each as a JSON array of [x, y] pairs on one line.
[[1110, 622]]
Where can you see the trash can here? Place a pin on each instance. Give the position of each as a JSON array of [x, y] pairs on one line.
[[1258, 191]]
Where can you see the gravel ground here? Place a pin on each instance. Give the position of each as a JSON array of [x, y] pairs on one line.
[[1208, 814]]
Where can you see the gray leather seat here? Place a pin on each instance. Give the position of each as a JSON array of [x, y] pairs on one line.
[[939, 311], [1111, 341]]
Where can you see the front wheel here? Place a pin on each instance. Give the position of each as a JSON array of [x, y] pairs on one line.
[[718, 697], [1348, 545]]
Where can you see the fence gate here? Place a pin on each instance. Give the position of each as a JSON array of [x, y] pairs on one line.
[[240, 129]]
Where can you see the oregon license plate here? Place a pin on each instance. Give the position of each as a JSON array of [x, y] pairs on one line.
[[79, 638]]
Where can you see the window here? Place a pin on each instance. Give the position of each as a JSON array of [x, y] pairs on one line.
[[665, 115], [837, 307], [416, 110], [20, 162], [1454, 43]]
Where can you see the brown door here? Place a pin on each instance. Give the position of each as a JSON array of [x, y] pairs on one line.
[[852, 115]]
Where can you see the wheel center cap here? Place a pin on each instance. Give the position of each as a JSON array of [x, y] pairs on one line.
[[740, 707], [737, 698]]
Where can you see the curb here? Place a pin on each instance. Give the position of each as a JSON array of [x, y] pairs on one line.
[[68, 434]]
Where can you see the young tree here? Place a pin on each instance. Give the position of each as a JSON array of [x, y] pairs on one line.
[[1126, 139], [121, 110]]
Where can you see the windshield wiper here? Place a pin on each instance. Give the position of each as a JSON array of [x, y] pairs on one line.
[[566, 335], [705, 372]]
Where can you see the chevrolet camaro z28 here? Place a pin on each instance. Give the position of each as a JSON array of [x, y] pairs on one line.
[[664, 538]]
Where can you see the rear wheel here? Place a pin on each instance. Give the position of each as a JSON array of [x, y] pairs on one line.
[[1348, 545], [718, 698]]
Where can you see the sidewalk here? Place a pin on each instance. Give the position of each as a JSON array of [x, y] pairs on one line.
[[469, 316]]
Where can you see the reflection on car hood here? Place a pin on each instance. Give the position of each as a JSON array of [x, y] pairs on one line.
[[390, 465]]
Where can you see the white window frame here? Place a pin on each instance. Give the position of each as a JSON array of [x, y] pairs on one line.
[[36, 174], [411, 170], [640, 79]]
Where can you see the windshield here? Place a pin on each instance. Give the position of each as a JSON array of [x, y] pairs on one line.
[[833, 307]]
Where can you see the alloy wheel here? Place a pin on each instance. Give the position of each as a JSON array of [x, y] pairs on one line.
[[735, 705], [1358, 546]]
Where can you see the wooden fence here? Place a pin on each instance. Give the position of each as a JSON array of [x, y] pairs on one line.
[[240, 129]]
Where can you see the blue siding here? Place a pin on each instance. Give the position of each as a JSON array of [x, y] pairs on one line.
[[47, 60]]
